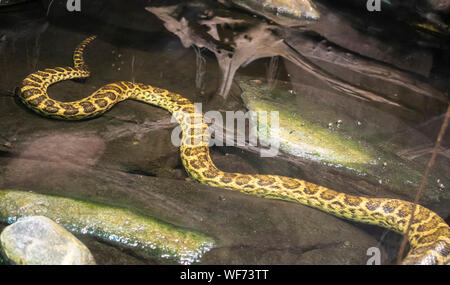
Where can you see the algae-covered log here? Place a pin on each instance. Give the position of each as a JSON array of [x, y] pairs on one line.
[[118, 225]]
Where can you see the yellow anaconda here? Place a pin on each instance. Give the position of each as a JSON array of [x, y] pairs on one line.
[[429, 236]]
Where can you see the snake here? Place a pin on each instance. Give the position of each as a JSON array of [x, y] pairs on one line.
[[428, 234]]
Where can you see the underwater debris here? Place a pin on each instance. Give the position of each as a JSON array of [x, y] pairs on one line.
[[236, 40], [201, 68], [264, 43], [272, 71]]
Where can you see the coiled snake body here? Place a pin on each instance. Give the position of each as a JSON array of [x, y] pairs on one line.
[[429, 236]]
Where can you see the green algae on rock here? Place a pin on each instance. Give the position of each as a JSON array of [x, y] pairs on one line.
[[299, 135], [157, 239]]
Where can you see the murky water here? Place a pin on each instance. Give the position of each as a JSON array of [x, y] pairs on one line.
[[373, 139]]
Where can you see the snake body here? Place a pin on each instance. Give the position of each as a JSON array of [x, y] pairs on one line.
[[429, 235]]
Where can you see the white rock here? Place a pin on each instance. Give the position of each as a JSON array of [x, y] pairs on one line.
[[40, 241]]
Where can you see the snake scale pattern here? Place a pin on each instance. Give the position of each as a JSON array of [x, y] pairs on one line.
[[429, 236]]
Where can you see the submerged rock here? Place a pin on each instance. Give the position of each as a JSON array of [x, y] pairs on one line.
[[299, 133], [112, 224], [40, 241], [285, 12], [440, 5]]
